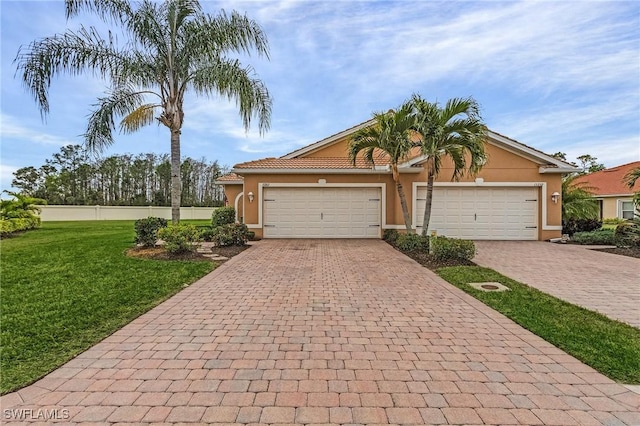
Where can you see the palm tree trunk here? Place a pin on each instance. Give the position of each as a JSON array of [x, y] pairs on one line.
[[428, 201], [405, 208], [175, 177]]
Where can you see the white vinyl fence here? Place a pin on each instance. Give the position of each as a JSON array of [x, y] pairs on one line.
[[68, 213]]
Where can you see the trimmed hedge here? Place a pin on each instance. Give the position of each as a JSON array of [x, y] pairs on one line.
[[12, 226], [452, 248], [390, 235], [231, 234], [147, 230], [180, 238], [601, 236], [223, 216], [412, 242]]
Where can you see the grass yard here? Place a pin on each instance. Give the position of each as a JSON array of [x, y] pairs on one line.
[[611, 347], [68, 285]]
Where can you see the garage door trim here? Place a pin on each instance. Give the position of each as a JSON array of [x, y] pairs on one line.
[[541, 185], [262, 185]]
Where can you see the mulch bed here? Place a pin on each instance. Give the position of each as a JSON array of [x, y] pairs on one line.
[[429, 262], [229, 251], [159, 253], [623, 251]]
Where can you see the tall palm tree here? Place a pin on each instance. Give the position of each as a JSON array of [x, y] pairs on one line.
[[173, 47], [388, 140], [630, 179], [455, 131], [577, 199]]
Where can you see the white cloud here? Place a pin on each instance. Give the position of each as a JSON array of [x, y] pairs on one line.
[[12, 128], [6, 175]]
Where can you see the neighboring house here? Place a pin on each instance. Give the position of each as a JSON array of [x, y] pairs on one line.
[[315, 192], [608, 186]]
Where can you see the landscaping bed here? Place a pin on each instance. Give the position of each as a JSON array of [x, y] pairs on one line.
[[430, 262], [623, 251]]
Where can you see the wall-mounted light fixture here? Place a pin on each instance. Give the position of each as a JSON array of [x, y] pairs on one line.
[[250, 195], [555, 197]]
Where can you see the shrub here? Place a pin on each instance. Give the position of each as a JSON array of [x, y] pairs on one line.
[[206, 233], [601, 236], [179, 238], [231, 234], [390, 235], [412, 242], [571, 226], [147, 230], [451, 248], [223, 216], [19, 224], [628, 234]]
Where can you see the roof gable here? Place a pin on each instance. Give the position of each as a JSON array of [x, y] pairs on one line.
[[547, 163], [610, 181]]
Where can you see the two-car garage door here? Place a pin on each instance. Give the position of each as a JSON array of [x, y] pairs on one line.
[[481, 213], [321, 212]]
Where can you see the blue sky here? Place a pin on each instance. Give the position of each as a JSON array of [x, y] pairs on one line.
[[559, 76]]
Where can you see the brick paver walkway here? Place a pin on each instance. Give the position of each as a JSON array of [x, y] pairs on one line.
[[331, 332], [603, 282]]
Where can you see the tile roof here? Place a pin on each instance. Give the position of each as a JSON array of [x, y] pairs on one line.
[[306, 163], [610, 181], [229, 177]]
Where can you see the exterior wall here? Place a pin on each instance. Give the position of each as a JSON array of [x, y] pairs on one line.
[[502, 166], [231, 191], [77, 213], [611, 206]]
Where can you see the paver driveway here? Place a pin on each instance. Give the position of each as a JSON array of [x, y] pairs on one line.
[[310, 332], [603, 282]]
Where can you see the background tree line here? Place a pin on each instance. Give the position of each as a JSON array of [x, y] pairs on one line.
[[73, 177]]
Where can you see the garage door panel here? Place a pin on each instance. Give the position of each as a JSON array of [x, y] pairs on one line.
[[330, 212], [482, 213]]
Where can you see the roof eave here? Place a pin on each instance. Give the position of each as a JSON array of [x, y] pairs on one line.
[[544, 170], [228, 182], [291, 171]]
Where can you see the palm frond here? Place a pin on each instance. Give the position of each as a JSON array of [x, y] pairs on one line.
[[631, 177], [69, 53], [120, 102], [577, 199], [138, 118], [230, 79], [111, 11]]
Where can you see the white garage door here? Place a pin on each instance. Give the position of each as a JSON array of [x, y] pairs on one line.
[[321, 212], [490, 213]]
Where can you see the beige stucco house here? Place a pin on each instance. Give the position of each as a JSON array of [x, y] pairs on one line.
[[608, 186], [316, 192]]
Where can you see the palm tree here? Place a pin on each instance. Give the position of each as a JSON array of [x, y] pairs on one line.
[[389, 140], [577, 199], [630, 179], [455, 131], [173, 47], [21, 206]]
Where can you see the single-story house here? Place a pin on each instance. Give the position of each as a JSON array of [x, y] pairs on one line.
[[608, 186], [316, 192]]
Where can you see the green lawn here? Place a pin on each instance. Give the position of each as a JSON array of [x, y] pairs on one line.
[[611, 347], [67, 286]]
